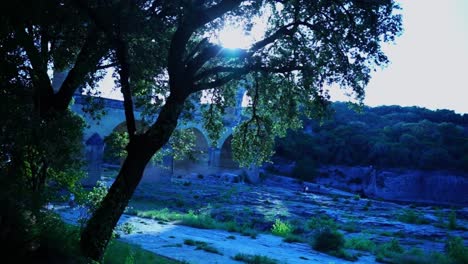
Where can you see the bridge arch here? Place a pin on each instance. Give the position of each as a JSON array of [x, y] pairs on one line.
[[198, 162]]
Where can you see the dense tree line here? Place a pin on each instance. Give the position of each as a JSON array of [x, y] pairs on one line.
[[386, 136]]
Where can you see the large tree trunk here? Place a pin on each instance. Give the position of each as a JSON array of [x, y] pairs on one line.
[[141, 148]]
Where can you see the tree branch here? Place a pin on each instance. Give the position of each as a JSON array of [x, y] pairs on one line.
[[124, 72], [43, 91], [210, 14], [86, 62]]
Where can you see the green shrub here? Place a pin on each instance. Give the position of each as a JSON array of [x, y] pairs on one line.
[[126, 228], [412, 217], [388, 250], [254, 259], [281, 228], [204, 221], [452, 224], [350, 227], [322, 222], [327, 240], [360, 243], [455, 249], [200, 245], [417, 256]]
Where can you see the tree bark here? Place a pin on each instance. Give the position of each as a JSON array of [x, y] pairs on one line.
[[141, 148]]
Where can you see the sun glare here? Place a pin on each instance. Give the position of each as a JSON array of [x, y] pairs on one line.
[[232, 37]]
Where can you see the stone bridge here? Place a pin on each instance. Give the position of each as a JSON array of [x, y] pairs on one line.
[[211, 160]]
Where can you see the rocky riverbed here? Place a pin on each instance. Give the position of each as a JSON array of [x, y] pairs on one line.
[[258, 206]]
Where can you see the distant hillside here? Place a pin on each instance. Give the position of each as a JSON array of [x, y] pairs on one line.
[[386, 136]]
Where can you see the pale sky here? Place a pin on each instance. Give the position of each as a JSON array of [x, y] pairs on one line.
[[429, 62]]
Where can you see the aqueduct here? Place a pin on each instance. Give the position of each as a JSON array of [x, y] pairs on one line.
[[211, 159]]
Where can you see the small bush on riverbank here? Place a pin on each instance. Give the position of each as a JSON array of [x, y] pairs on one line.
[[327, 240], [412, 217], [282, 229]]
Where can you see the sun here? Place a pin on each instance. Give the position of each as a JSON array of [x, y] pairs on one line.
[[232, 37]]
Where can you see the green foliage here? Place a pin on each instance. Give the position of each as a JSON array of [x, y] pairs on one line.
[[452, 222], [388, 250], [181, 144], [122, 253], [455, 249], [200, 245], [126, 228], [281, 228], [387, 136], [411, 216], [327, 240], [91, 201], [115, 146], [417, 256], [360, 243], [254, 259], [144, 51], [322, 222]]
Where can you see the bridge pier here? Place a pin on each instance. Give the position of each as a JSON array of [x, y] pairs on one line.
[[214, 157], [94, 158]]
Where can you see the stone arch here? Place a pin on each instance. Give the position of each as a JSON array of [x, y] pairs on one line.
[[199, 162], [122, 127], [226, 159]]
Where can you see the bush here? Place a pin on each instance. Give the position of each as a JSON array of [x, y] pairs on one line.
[[452, 224], [412, 217], [327, 240], [281, 228], [126, 228], [360, 243], [201, 245], [456, 250], [305, 170], [388, 250], [322, 222]]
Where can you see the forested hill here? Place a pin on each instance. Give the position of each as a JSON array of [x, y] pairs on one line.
[[386, 136]]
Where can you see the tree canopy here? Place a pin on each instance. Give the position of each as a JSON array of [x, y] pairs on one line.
[[384, 137], [164, 57]]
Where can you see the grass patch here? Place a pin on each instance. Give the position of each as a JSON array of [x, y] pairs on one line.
[[350, 227], [452, 221], [322, 222], [202, 221], [455, 250], [412, 217], [389, 250], [200, 245], [419, 257], [360, 243], [119, 252], [254, 259]]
